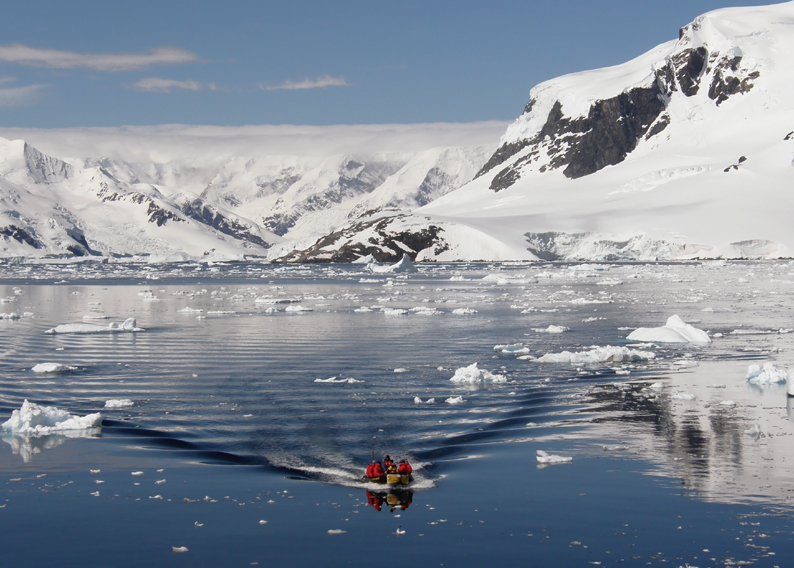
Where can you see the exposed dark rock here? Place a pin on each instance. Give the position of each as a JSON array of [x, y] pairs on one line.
[[207, 215], [81, 246], [727, 80], [658, 126], [690, 65], [159, 215], [20, 235], [789, 136], [504, 153], [387, 246]]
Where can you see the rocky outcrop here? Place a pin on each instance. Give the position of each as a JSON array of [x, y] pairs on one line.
[[377, 237], [613, 127], [20, 235]]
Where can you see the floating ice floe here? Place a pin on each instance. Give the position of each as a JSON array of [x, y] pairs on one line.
[[189, 310], [52, 368], [674, 331], [337, 380], [37, 420], [394, 312], [683, 396], [552, 329], [472, 375], [426, 311], [404, 266], [11, 316], [464, 312], [119, 403], [549, 459], [128, 325], [767, 374], [267, 301], [512, 349], [607, 354], [297, 309], [336, 531], [455, 400]]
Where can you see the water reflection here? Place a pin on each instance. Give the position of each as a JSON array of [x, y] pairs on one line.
[[726, 440], [394, 498], [28, 446]]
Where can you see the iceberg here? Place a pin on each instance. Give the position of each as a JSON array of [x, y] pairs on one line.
[[608, 354], [52, 368], [37, 420], [767, 374], [472, 375], [674, 331], [404, 266], [128, 325], [549, 459]]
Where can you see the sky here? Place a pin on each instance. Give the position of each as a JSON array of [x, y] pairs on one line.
[[82, 63]]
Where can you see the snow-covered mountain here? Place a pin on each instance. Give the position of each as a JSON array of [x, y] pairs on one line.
[[683, 152], [197, 190]]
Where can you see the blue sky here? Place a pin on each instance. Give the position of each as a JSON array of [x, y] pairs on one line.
[[97, 63]]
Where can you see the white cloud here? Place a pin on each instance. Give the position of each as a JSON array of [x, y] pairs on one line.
[[157, 85], [56, 59], [318, 83], [17, 96]]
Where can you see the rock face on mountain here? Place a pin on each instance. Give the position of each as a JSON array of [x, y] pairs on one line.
[[611, 128]]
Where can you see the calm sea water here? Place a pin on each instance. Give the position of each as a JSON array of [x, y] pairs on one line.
[[303, 372]]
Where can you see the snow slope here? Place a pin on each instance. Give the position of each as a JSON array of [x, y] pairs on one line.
[[222, 191], [683, 152]]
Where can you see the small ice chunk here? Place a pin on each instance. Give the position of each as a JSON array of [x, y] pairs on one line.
[[52, 368], [545, 458], [179, 549], [728, 403], [683, 396], [551, 329], [417, 400], [430, 401], [473, 375], [400, 370], [137, 473], [297, 309], [674, 331], [262, 522], [37, 420], [336, 531], [464, 311], [767, 374], [119, 403], [337, 380], [455, 400], [512, 349], [128, 325]]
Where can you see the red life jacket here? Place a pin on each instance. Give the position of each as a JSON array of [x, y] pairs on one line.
[[377, 470], [387, 463], [405, 467], [369, 470]]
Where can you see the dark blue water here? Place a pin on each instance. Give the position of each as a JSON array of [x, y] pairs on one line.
[[236, 384]]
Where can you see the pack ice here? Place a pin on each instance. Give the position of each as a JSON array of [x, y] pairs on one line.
[[608, 354], [36, 420], [767, 374], [674, 331]]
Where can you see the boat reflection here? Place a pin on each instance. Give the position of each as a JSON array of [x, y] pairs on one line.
[[393, 498]]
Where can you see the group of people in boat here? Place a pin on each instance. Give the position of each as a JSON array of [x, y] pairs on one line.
[[389, 472]]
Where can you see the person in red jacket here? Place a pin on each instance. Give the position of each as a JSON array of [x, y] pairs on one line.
[[404, 468], [387, 463], [374, 470]]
